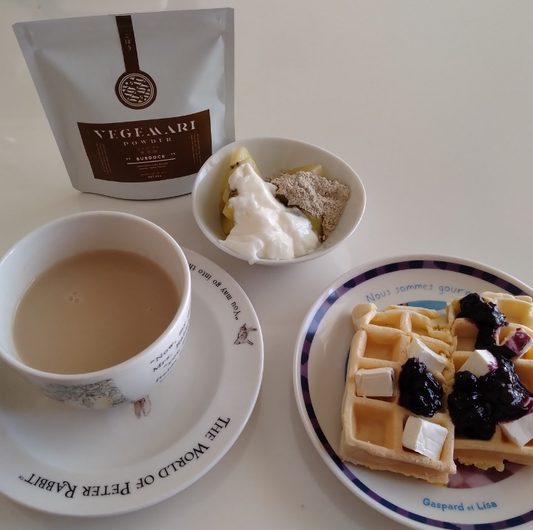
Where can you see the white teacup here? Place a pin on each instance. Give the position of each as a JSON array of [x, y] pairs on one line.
[[130, 380]]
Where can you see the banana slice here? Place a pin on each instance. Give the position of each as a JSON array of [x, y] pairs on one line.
[[240, 156], [227, 224], [317, 169], [316, 224]]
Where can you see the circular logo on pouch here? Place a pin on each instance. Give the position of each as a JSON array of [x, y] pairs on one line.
[[136, 90]]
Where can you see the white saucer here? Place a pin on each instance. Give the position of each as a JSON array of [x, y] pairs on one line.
[[60, 460], [474, 499]]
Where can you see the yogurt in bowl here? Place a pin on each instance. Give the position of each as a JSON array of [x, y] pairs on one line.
[[262, 229]]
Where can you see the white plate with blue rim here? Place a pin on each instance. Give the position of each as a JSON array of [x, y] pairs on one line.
[[473, 499], [88, 463]]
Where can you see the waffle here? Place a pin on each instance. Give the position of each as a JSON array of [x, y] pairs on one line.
[[415, 321], [519, 314], [373, 427]]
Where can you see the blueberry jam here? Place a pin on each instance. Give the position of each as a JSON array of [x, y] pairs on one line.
[[485, 315], [420, 392], [471, 413], [478, 404]]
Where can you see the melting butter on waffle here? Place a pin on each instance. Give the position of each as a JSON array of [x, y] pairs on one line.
[[373, 427]]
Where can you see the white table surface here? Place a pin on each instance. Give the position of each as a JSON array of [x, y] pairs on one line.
[[431, 104]]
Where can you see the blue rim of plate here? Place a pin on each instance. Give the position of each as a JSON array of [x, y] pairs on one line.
[[332, 297]]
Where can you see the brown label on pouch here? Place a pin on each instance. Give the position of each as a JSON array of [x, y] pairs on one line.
[[134, 88], [148, 150]]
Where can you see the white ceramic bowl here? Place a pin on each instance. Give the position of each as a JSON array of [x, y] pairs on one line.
[[130, 380], [273, 155]]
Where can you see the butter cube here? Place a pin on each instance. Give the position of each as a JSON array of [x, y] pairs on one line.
[[520, 431], [434, 362], [480, 363], [375, 382], [424, 437], [519, 342]]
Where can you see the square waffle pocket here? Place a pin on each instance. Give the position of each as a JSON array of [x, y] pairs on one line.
[[372, 427]]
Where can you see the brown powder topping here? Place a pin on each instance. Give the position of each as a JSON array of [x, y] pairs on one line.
[[318, 196]]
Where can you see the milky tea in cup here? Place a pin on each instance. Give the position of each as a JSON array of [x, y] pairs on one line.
[[96, 308], [92, 311]]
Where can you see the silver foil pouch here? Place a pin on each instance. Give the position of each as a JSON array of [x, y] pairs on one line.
[[137, 102]]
